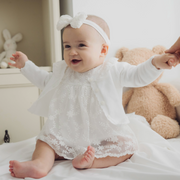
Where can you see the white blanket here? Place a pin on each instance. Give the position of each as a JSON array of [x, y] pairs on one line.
[[157, 158]]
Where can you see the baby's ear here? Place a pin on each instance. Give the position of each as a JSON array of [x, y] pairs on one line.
[[120, 53], [158, 49], [104, 49]]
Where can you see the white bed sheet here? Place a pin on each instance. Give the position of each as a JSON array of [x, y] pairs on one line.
[[157, 158]]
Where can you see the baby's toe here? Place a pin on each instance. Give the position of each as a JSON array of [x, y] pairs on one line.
[[11, 163], [12, 174], [88, 155], [86, 158], [91, 152], [92, 149]]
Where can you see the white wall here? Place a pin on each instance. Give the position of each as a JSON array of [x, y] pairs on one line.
[[136, 23]]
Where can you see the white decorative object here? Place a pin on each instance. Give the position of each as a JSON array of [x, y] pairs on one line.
[[9, 47], [77, 21], [4, 65]]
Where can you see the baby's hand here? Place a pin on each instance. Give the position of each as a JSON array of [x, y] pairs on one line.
[[165, 61], [172, 62], [19, 59]]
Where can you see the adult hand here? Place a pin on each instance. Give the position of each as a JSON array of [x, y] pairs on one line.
[[175, 48]]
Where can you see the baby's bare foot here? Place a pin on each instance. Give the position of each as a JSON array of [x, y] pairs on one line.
[[31, 169], [85, 160]]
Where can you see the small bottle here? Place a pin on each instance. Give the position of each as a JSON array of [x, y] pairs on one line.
[[6, 137]]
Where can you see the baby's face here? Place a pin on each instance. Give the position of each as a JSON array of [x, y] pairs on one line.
[[82, 48]]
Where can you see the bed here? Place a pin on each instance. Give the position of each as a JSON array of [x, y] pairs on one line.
[[157, 158]]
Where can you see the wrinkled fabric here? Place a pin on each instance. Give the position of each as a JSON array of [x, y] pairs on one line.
[[156, 159]]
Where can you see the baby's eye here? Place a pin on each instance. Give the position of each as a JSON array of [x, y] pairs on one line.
[[67, 46], [82, 45]]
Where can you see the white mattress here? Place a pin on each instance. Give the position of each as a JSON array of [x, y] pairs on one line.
[[157, 158]]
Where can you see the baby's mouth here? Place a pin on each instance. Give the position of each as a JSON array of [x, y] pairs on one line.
[[75, 61]]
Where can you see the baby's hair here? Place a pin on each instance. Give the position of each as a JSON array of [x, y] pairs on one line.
[[100, 22]]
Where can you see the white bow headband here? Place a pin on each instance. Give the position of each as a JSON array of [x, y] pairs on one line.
[[77, 21]]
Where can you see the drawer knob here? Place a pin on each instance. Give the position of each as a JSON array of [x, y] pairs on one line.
[[6, 137]]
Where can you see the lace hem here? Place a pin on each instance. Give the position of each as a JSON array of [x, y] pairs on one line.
[[115, 155], [104, 149]]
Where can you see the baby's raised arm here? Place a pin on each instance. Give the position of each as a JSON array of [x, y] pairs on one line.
[[19, 59], [37, 76]]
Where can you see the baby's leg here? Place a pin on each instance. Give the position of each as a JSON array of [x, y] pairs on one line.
[[109, 161], [57, 157], [41, 163], [87, 160]]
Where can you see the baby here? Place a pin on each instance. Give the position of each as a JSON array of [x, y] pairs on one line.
[[82, 99]]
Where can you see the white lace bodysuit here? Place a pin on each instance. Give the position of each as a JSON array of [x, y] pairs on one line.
[[76, 120]]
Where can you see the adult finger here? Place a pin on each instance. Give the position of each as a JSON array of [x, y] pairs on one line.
[[177, 54], [171, 50], [174, 47]]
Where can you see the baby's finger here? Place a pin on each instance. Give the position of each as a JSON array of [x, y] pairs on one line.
[[12, 64], [13, 59], [171, 62], [19, 53], [15, 55], [166, 66]]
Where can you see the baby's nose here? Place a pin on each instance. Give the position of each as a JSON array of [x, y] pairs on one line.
[[73, 52]]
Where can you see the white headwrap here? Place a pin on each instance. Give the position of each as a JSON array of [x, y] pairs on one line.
[[77, 21]]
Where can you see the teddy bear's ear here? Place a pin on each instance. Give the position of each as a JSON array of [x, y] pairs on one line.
[[120, 53], [158, 49]]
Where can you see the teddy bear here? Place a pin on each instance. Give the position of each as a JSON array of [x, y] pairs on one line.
[[156, 101], [9, 47]]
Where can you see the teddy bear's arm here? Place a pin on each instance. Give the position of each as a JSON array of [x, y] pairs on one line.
[[2, 55], [170, 92], [126, 97]]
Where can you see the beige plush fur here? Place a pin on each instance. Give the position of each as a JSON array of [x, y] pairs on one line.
[[156, 101]]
